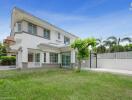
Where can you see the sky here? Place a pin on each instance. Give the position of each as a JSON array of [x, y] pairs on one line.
[[84, 18]]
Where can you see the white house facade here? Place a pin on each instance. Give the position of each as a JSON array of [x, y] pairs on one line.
[[38, 43]]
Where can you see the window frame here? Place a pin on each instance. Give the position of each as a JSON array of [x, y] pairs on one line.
[[32, 29], [37, 57], [59, 35], [44, 57], [30, 57], [19, 26], [46, 33], [53, 58], [65, 40]]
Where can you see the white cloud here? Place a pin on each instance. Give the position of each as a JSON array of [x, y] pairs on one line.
[[117, 23], [4, 29]]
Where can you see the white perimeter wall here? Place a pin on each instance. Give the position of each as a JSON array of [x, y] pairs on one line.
[[121, 64]]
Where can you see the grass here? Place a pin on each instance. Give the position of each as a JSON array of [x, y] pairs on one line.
[[61, 84]]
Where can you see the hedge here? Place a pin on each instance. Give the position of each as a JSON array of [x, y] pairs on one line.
[[8, 60]]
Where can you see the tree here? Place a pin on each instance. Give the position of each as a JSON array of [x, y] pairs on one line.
[[100, 46], [82, 47], [117, 41], [2, 50]]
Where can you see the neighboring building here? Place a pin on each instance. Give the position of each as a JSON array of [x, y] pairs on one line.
[[38, 43]]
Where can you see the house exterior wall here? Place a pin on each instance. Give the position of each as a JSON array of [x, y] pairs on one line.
[[26, 42]]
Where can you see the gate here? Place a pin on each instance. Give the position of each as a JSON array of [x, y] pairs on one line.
[[91, 62]]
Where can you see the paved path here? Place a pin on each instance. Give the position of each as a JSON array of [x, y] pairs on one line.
[[7, 67], [126, 72]]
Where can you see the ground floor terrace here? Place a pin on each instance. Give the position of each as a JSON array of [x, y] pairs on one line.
[[45, 56]]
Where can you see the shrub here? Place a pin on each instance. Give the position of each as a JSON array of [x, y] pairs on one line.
[[8, 60]]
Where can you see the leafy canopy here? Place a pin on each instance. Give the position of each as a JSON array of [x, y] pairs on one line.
[[82, 46]]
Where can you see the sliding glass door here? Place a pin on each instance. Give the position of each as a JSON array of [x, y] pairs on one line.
[[66, 59]]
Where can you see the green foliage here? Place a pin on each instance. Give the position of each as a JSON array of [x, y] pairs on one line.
[[117, 48], [128, 47], [8, 60], [82, 47], [112, 44], [101, 49], [2, 50]]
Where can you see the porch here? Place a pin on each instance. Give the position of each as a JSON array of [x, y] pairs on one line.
[[46, 56]]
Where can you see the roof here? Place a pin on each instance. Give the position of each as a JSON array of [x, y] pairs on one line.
[[16, 8]]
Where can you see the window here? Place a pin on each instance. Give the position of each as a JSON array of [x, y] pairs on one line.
[[32, 29], [46, 34], [37, 57], [19, 26], [44, 57], [30, 57], [53, 58], [58, 35], [66, 40]]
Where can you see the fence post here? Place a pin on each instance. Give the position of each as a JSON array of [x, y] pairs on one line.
[[96, 60], [90, 58]]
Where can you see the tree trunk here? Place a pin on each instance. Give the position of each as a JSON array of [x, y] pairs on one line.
[[79, 65]]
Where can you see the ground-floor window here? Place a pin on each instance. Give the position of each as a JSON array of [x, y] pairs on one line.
[[33, 57], [53, 58], [37, 57], [30, 57], [44, 57]]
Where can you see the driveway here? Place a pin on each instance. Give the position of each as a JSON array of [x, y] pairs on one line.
[[125, 72], [7, 67]]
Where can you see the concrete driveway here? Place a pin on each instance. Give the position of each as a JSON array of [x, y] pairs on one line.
[[7, 67], [125, 72]]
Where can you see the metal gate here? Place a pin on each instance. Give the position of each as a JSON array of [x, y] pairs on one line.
[[91, 62]]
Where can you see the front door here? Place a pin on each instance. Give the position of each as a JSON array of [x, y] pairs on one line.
[[66, 59]]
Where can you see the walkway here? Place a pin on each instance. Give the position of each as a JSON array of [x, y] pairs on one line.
[[126, 72], [7, 67]]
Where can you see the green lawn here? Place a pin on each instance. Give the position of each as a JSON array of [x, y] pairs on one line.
[[61, 84]]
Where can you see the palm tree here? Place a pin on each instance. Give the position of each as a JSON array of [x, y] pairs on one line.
[[116, 41], [100, 46]]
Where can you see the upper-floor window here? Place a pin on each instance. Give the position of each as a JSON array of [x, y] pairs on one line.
[[66, 40], [58, 35], [19, 26], [46, 34], [32, 29]]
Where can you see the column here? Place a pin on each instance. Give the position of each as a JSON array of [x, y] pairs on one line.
[[73, 56], [41, 58], [47, 57], [59, 58], [24, 57]]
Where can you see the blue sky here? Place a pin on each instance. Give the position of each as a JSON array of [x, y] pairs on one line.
[[84, 18]]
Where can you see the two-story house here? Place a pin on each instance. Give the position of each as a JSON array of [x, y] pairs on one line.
[[38, 43]]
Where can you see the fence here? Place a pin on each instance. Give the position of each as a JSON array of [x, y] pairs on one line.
[[117, 55], [118, 60]]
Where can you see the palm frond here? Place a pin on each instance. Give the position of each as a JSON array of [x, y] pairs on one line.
[[126, 39]]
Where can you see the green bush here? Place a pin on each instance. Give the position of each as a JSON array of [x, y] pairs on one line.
[[8, 60]]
